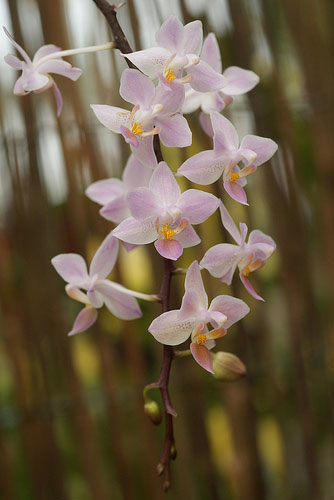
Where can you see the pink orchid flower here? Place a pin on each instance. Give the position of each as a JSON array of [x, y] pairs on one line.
[[238, 81], [112, 193], [73, 269], [162, 214], [176, 326], [176, 59], [155, 111], [207, 167], [222, 260]]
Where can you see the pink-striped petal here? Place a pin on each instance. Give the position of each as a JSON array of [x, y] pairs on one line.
[[170, 249], [233, 308], [105, 257], [170, 34], [111, 117], [205, 79], [170, 329], [136, 88], [171, 97], [85, 319], [143, 203], [264, 148], [190, 306], [135, 231], [72, 268], [197, 205], [192, 38], [211, 53], [249, 287], [239, 80], [164, 185], [120, 304], [175, 131], [202, 356], [236, 192], [194, 282], [204, 168]]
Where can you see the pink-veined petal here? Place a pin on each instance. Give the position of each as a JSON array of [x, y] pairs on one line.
[[136, 88], [170, 34], [60, 67], [85, 319], [105, 257], [188, 237], [175, 131], [72, 268], [225, 134], [44, 51], [105, 190], [13, 61], [58, 97], [239, 80], [143, 203], [136, 231], [170, 249], [197, 205], [211, 53], [233, 308], [229, 223], [164, 185], [204, 168], [194, 282], [264, 148], [170, 329], [17, 46], [236, 192], [202, 356], [220, 259], [111, 117], [205, 79], [192, 38], [120, 304], [149, 61], [249, 287], [116, 210]]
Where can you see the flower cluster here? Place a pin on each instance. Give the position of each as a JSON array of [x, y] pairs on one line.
[[178, 76]]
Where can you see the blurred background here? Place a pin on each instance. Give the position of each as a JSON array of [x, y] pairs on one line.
[[71, 412]]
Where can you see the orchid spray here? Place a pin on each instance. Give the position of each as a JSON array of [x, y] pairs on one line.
[[177, 76]]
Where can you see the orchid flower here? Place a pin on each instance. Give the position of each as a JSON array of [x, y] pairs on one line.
[[112, 193], [238, 81], [162, 214], [119, 300], [222, 260], [48, 59], [176, 59], [206, 167], [155, 111], [176, 326]]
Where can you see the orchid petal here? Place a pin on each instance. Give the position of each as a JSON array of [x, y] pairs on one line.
[[164, 185], [135, 231], [136, 88], [72, 268], [229, 224], [233, 308], [145, 152], [13, 61], [265, 242], [211, 53], [171, 97], [175, 131], [17, 46], [220, 259], [192, 38], [58, 97], [105, 190], [32, 80], [192, 101], [170, 249], [205, 79], [111, 117], [105, 257], [18, 87], [249, 287], [116, 210], [136, 174], [264, 148], [85, 319], [143, 203], [226, 136], [203, 168], [190, 305], [202, 356], [236, 192], [170, 329], [194, 282], [95, 298], [149, 61], [239, 80], [170, 34], [197, 205], [45, 50], [206, 124], [188, 237], [129, 136], [120, 304], [60, 67]]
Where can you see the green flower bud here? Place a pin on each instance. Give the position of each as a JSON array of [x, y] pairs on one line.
[[152, 410], [228, 367]]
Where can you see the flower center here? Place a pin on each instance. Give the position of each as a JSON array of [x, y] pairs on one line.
[[169, 74], [166, 232], [201, 339], [234, 176], [246, 271], [136, 128]]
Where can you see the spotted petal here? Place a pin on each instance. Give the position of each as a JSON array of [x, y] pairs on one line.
[[169, 329], [204, 168], [149, 61], [111, 117], [137, 231]]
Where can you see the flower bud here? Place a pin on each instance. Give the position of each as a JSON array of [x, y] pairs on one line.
[[152, 410], [228, 367]]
